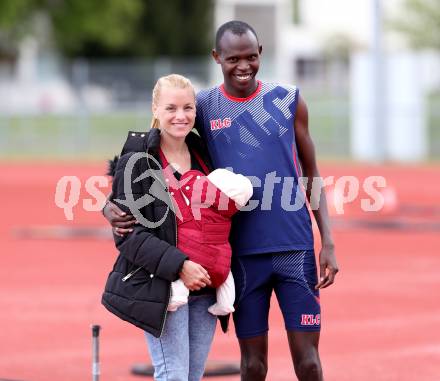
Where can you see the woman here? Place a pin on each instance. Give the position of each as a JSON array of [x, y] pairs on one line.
[[138, 289]]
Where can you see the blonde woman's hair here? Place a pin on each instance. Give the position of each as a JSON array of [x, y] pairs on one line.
[[175, 81]]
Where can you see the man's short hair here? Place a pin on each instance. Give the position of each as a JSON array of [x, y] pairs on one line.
[[235, 27]]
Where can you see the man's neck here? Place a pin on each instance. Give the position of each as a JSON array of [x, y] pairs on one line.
[[238, 93]]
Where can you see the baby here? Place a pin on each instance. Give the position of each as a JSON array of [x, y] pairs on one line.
[[228, 192]]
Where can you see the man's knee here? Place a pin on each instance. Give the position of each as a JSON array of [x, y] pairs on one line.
[[253, 368], [309, 368]]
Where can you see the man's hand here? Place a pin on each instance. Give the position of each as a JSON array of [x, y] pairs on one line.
[[328, 267], [121, 222], [194, 276]]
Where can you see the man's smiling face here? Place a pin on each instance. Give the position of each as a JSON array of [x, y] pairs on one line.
[[239, 58]]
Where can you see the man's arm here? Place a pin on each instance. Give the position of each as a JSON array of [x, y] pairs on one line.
[[306, 153]]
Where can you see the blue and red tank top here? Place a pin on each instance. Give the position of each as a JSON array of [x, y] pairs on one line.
[[255, 137]]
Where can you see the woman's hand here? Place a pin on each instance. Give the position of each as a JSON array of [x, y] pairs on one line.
[[194, 276], [121, 222]]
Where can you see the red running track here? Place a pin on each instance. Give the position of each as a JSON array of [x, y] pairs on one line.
[[380, 320]]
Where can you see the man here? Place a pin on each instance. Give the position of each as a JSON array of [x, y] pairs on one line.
[[261, 130]]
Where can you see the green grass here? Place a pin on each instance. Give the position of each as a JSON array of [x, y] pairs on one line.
[[99, 136], [329, 126], [434, 125], [67, 137]]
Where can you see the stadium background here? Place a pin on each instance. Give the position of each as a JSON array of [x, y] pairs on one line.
[[66, 106]]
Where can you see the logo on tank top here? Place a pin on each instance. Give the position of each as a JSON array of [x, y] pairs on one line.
[[218, 124]]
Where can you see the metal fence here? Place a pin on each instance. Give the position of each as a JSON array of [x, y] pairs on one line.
[[88, 107]]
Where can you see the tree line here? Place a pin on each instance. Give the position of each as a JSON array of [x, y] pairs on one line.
[[110, 28]]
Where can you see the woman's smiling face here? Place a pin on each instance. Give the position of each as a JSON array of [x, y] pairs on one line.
[[176, 111]]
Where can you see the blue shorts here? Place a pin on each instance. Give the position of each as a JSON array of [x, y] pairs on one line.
[[292, 275]]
